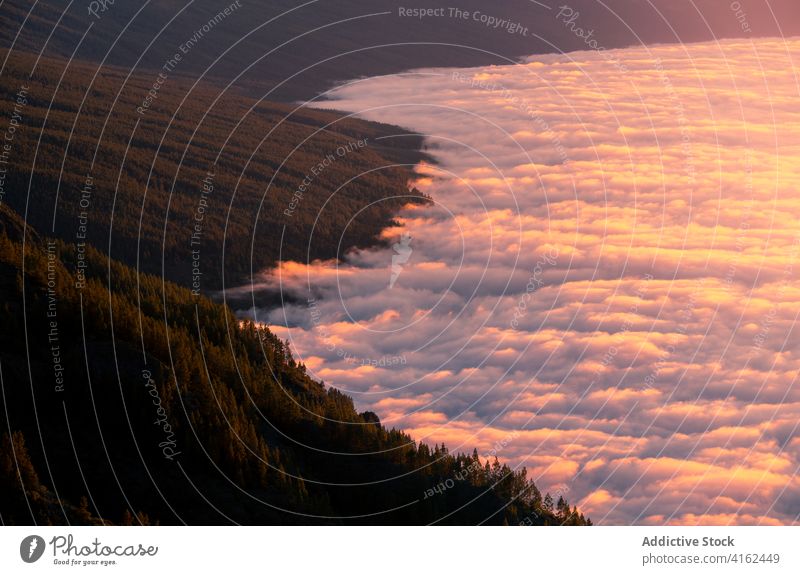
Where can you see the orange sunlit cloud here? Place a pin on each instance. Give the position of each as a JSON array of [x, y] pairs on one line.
[[606, 287]]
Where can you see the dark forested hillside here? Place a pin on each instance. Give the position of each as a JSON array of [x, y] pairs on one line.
[[185, 415], [195, 172]]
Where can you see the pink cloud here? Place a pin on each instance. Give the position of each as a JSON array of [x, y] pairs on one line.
[[609, 273]]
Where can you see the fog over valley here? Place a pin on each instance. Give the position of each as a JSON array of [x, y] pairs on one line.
[[603, 288]]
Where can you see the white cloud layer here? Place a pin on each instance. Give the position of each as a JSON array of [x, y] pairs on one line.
[[610, 269]]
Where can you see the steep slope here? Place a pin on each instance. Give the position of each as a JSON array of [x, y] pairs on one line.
[[196, 178], [144, 403]]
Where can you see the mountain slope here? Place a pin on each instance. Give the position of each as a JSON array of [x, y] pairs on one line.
[[199, 177], [183, 415]]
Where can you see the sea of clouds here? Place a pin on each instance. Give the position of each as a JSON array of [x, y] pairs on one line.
[[605, 288]]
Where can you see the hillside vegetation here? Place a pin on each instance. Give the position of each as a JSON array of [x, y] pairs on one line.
[[242, 434], [84, 162]]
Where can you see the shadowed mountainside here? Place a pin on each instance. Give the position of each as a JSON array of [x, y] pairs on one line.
[[294, 49], [242, 434]]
